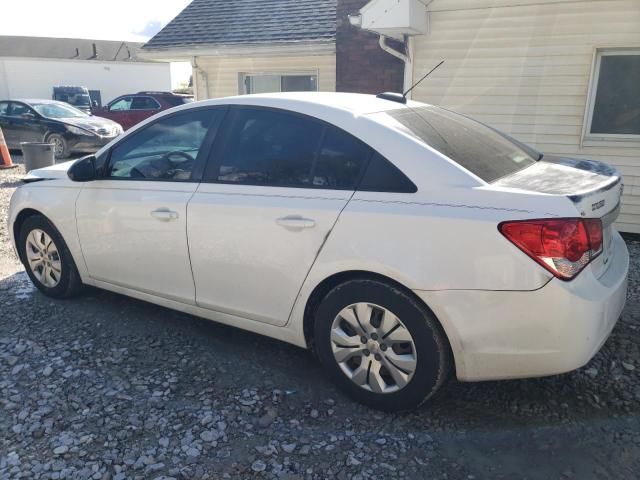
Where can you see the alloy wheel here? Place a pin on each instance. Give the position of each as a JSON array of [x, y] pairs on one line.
[[43, 258], [373, 348], [58, 146]]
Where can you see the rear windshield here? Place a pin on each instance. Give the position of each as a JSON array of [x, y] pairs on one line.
[[480, 149]]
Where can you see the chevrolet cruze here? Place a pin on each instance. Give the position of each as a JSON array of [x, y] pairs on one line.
[[402, 242]]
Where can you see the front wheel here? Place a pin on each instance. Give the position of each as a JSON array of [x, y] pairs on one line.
[[47, 258], [380, 345], [60, 145]]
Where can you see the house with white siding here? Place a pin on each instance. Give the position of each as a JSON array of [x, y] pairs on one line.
[[252, 46], [561, 75]]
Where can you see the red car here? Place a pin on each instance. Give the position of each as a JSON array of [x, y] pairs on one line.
[[129, 110]]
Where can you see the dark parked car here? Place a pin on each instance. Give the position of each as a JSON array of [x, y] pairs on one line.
[[129, 110], [68, 128]]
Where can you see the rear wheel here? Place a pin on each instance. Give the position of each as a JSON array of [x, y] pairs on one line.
[[47, 259], [380, 345]]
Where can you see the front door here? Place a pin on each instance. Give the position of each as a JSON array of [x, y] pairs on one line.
[[272, 194], [132, 223]]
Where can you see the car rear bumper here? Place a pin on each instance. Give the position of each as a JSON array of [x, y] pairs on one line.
[[558, 328]]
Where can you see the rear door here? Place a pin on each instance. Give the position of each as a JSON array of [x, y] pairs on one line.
[[24, 124], [273, 191], [143, 107]]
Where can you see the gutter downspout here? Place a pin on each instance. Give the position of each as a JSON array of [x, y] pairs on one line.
[[196, 83], [407, 59]]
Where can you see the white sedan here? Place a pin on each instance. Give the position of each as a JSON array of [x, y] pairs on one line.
[[402, 242]]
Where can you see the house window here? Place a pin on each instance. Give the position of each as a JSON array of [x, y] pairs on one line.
[[276, 82], [614, 100]]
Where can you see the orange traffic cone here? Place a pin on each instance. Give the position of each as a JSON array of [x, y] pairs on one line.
[[4, 154]]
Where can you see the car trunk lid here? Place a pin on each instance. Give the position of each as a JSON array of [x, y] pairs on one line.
[[595, 189]]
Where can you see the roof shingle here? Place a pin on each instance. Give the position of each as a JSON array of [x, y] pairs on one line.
[[242, 22]]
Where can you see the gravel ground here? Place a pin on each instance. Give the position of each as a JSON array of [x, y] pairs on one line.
[[107, 387]]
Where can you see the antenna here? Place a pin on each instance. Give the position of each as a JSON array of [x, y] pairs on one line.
[[404, 95]]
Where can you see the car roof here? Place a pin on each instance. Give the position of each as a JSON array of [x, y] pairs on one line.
[[354, 103], [30, 101]]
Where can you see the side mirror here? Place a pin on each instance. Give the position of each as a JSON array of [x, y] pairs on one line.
[[94, 104], [28, 116], [83, 170]]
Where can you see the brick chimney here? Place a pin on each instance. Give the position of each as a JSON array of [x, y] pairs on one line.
[[362, 66]]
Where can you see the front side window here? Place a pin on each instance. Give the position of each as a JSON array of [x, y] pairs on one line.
[[164, 150], [122, 104], [480, 149], [273, 83], [614, 109]]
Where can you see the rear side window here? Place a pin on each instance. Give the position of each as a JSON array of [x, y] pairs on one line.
[[280, 149], [4, 108], [270, 148], [340, 160], [144, 103], [383, 176], [175, 100], [480, 149]]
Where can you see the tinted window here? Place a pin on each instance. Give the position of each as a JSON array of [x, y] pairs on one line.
[[267, 147], [122, 104], [480, 149], [4, 107], [340, 160], [144, 103], [617, 105], [383, 176], [18, 109], [165, 150], [175, 100]]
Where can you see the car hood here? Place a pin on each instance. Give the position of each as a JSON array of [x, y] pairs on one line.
[[53, 172], [90, 123]]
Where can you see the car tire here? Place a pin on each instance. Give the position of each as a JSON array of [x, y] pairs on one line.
[[402, 376], [55, 274], [60, 145]]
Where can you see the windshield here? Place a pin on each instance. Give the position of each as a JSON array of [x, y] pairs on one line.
[[482, 150], [56, 110]]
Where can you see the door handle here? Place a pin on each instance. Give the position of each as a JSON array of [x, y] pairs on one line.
[[164, 215], [296, 222]]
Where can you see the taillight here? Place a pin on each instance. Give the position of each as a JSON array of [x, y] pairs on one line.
[[562, 246]]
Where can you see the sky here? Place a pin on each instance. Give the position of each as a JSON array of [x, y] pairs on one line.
[[130, 20]]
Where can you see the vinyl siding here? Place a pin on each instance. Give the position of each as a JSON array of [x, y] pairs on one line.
[[524, 66], [223, 73]]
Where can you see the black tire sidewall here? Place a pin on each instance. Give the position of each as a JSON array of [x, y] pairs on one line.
[[69, 271], [431, 345]]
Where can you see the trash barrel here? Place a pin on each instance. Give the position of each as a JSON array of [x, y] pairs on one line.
[[37, 155]]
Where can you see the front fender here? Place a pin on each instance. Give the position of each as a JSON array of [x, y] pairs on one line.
[[56, 200]]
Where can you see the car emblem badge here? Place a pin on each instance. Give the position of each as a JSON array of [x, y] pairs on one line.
[[598, 205]]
